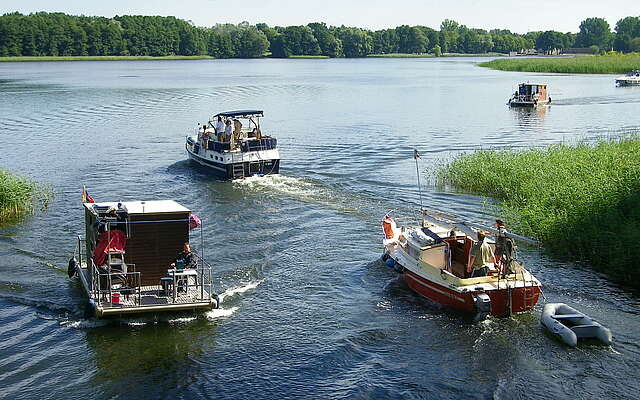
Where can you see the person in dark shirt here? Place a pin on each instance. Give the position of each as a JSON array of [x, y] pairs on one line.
[[184, 256]]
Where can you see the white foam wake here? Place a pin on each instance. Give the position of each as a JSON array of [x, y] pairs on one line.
[[220, 313], [227, 312], [233, 291], [83, 324], [279, 183]]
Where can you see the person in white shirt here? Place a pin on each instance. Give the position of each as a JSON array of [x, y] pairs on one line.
[[228, 131], [219, 127]]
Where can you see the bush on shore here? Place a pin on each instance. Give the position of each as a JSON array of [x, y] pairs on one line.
[[580, 200]]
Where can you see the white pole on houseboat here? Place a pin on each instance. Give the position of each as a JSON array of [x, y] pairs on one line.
[[416, 155]]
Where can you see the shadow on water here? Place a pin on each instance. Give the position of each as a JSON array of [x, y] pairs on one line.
[[164, 355]]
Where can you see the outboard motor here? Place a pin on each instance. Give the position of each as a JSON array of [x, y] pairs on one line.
[[483, 304]]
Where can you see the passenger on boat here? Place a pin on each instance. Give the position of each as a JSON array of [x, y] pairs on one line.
[[228, 131], [237, 129], [480, 258], [500, 238], [185, 258], [219, 126]]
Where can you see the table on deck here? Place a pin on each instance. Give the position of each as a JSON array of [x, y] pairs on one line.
[[180, 275]]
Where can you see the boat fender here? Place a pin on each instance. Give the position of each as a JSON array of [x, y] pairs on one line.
[[71, 270], [385, 256], [398, 268], [390, 262], [217, 299]]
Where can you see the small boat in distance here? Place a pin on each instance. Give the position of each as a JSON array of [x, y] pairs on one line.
[[434, 260], [630, 79], [571, 325], [232, 146], [530, 95], [130, 259]]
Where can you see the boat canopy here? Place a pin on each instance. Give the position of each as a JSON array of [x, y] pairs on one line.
[[241, 114]]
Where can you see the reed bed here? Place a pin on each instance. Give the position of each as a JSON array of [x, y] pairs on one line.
[[580, 200], [18, 195], [606, 64], [431, 55], [99, 58]]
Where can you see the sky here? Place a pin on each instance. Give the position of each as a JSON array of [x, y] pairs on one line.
[[517, 16]]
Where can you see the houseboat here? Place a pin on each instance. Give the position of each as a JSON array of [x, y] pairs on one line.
[[135, 257], [434, 260], [630, 79], [530, 95], [233, 146]]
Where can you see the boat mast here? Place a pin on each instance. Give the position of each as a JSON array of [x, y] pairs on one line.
[[416, 155]]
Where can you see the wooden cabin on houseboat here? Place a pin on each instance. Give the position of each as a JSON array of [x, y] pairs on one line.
[[133, 260], [530, 95]]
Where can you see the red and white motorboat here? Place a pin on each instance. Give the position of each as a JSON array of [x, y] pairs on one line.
[[433, 260]]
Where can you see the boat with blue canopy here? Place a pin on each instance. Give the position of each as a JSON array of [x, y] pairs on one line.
[[232, 145]]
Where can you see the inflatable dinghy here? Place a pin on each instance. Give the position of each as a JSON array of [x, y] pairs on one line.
[[571, 325]]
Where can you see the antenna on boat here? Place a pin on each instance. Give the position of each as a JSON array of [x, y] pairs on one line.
[[416, 155]]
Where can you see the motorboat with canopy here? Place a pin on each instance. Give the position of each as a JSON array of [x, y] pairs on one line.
[[233, 146], [630, 79]]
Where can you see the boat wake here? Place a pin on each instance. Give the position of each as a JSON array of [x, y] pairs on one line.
[[239, 290], [279, 184], [84, 323], [227, 312], [220, 313]]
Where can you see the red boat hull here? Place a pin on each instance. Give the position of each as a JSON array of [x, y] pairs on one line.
[[522, 298]]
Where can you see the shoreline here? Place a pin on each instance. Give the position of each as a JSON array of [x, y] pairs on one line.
[[99, 58], [173, 58]]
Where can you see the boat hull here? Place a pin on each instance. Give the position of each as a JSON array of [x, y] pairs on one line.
[[628, 82], [529, 104], [523, 299], [237, 170]]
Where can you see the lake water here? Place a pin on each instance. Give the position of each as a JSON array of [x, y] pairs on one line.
[[308, 309]]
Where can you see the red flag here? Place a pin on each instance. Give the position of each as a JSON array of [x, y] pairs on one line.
[[86, 197], [194, 221]]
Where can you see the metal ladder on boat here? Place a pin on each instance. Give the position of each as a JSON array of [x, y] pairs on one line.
[[237, 170]]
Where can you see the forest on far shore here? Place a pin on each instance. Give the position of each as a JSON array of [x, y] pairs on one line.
[[58, 34]]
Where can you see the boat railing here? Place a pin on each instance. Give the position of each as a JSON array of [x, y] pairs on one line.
[[205, 273], [80, 250], [523, 98], [105, 283]]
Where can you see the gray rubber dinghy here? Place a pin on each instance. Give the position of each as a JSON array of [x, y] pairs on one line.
[[571, 325]]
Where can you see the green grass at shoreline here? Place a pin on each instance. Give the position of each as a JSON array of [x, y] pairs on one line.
[[17, 195], [429, 55], [99, 58], [580, 200], [606, 64]]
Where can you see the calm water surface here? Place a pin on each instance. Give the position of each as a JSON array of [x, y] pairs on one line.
[[308, 311]]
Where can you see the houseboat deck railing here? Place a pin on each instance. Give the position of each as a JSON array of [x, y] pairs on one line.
[[121, 278], [102, 284]]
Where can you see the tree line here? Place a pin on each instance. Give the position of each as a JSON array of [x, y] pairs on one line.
[[58, 34]]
